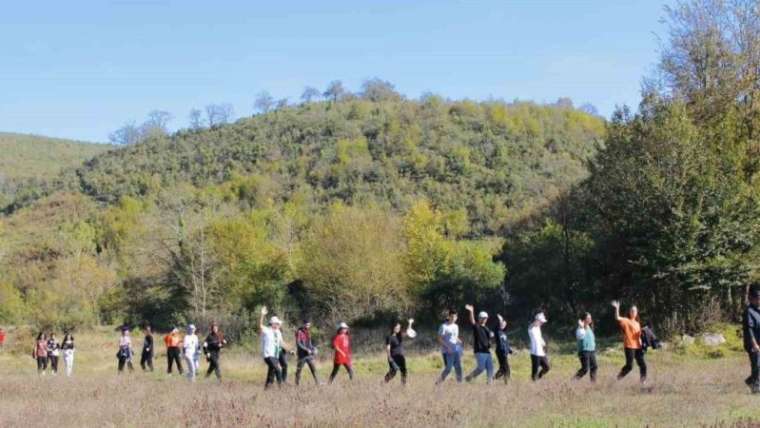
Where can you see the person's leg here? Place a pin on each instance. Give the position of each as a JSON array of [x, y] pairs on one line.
[[592, 365], [178, 361], [501, 358], [533, 367], [122, 362], [489, 367], [270, 372], [299, 367], [448, 364], [334, 372], [754, 379], [545, 367], [284, 366], [641, 362], [150, 361], [313, 369], [628, 363], [350, 370], [401, 363], [458, 366], [391, 371], [583, 358], [54, 364], [143, 360], [189, 361], [481, 365], [41, 365]]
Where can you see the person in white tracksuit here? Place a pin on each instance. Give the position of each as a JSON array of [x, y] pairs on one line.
[[191, 352], [67, 345]]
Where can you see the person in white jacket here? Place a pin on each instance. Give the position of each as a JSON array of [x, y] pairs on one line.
[[538, 358], [191, 351]]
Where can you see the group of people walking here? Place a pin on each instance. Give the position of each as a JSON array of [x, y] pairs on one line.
[[48, 350], [274, 350]]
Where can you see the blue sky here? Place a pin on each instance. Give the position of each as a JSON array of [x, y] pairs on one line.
[[79, 69]]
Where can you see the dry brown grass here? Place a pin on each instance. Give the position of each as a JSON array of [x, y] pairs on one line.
[[682, 393]]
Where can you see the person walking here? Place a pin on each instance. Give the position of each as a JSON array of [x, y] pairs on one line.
[[172, 342], [538, 357], [2, 338], [53, 352], [305, 351], [39, 353], [632, 346], [146, 356], [124, 354], [271, 347], [502, 351], [67, 346], [451, 347], [751, 330], [212, 347], [481, 345], [191, 351], [394, 349], [586, 340], [341, 343]]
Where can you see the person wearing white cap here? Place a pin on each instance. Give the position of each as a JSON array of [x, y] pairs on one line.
[[482, 336], [191, 351], [272, 348], [341, 343], [538, 358]]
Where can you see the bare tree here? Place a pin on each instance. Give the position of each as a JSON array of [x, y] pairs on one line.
[[127, 135], [281, 103], [335, 91], [377, 89], [309, 94], [218, 114], [159, 120], [196, 119], [264, 102]]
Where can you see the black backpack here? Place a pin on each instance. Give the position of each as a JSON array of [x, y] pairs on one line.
[[649, 339]]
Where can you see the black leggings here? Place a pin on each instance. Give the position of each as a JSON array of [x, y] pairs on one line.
[[504, 370], [172, 355], [146, 360], [274, 372], [537, 362], [400, 362], [125, 361], [53, 360], [630, 355], [334, 373], [299, 366], [213, 365], [283, 360], [588, 364], [42, 364]]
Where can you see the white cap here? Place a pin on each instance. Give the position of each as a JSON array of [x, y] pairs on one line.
[[541, 317], [191, 327], [342, 325], [274, 320], [482, 314]]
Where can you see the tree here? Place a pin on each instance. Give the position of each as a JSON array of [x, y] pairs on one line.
[[218, 114], [310, 94], [127, 135], [264, 102], [196, 119], [377, 90], [335, 91], [158, 121]]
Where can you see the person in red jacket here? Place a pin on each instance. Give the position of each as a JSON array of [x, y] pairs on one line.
[[342, 345], [2, 338]]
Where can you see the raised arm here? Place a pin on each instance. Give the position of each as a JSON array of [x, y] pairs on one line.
[[264, 313], [471, 311], [616, 305]]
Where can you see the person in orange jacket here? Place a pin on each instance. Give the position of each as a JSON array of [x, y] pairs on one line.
[[173, 342]]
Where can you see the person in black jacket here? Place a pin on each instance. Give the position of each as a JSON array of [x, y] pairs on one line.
[[53, 351], [146, 359], [502, 351], [751, 329], [212, 347]]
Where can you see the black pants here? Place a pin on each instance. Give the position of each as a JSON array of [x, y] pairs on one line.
[[213, 365], [335, 369], [53, 361], [125, 361], [588, 365], [537, 362], [42, 363], [630, 355], [504, 370], [146, 360], [172, 356], [753, 381], [400, 362], [283, 360], [274, 372], [309, 360]]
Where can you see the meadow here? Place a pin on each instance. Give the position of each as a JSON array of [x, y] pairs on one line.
[[687, 388]]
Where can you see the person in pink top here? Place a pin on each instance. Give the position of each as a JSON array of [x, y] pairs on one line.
[[39, 353], [342, 345]]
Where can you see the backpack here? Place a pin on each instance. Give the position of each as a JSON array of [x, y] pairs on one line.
[[649, 339]]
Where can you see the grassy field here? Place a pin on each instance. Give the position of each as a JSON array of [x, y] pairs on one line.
[[685, 390]]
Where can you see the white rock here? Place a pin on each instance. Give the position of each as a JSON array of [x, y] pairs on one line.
[[713, 339]]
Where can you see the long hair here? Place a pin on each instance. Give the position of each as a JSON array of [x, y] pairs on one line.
[[41, 336]]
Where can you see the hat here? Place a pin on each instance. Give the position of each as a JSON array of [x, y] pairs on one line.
[[124, 328], [482, 314], [274, 320], [191, 327], [175, 330], [343, 325], [541, 317]]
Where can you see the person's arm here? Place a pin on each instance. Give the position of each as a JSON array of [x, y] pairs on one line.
[[264, 313], [337, 348], [471, 310], [301, 343], [616, 305], [580, 332], [750, 326]]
